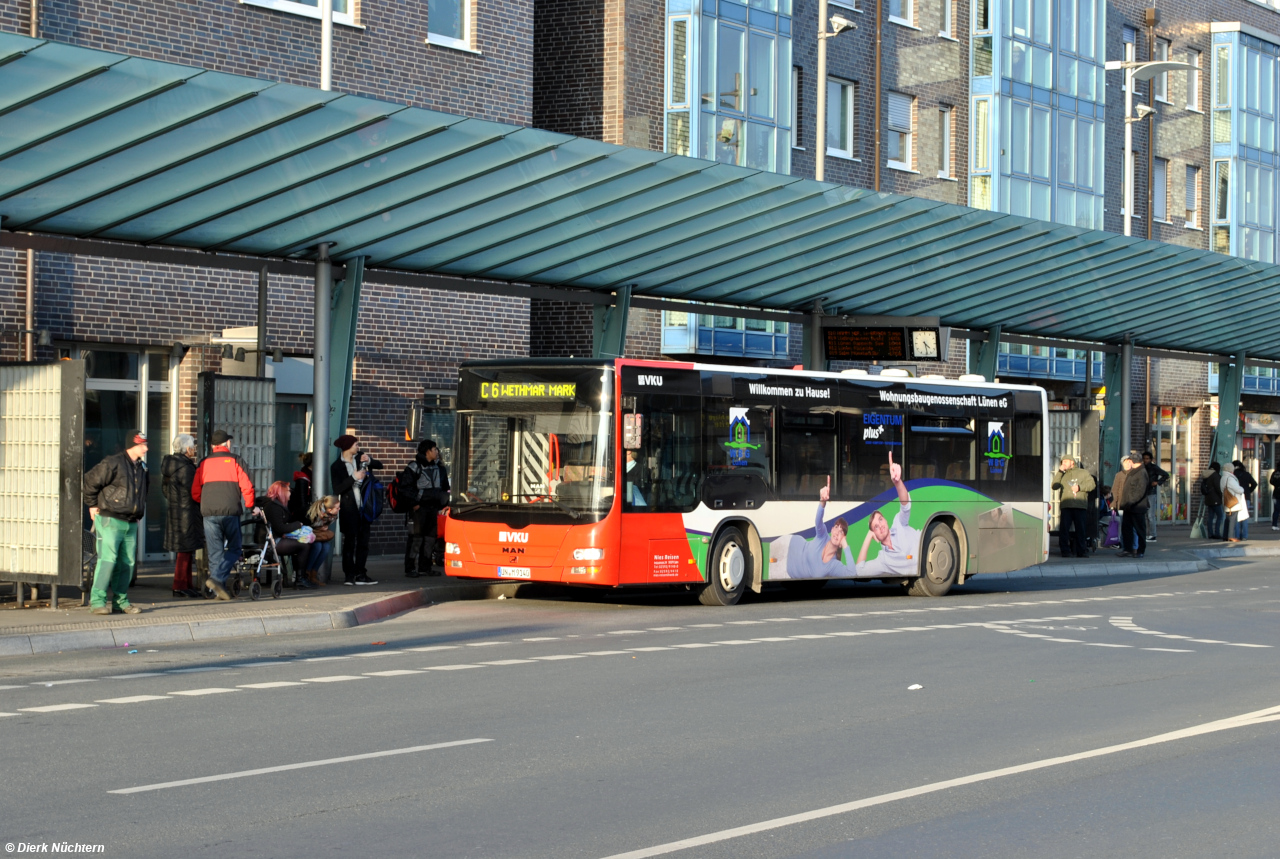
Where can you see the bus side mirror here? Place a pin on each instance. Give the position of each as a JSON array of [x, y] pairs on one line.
[[632, 425]]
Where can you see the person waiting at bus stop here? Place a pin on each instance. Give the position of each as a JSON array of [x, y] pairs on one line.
[[115, 491], [429, 479], [1131, 499], [348, 474], [1075, 484], [899, 542], [220, 484]]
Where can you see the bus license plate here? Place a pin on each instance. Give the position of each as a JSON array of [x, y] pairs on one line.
[[514, 573]]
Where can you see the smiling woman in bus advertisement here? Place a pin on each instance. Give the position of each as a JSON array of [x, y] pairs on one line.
[[822, 557]]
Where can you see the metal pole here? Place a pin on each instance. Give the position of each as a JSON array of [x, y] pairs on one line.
[[817, 348], [326, 44], [1126, 397], [1128, 153], [320, 379], [820, 142], [876, 118], [262, 322]]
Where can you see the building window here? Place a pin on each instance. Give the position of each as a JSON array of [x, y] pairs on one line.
[[1193, 196], [851, 5], [797, 93], [1129, 37], [1160, 189], [678, 107], [946, 17], [944, 143], [342, 13], [900, 12], [745, 82], [449, 23], [841, 125], [900, 115], [1161, 81], [1193, 81]]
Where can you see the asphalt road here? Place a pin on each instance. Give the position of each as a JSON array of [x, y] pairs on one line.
[[1052, 721]]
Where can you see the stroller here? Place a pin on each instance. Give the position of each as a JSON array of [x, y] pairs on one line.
[[259, 565]]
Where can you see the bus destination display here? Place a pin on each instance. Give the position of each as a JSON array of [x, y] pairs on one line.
[[865, 344]]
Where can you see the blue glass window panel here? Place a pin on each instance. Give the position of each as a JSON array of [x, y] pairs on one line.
[[1084, 83], [760, 75], [1067, 24], [1041, 96], [730, 68], [764, 20], [1020, 137], [1041, 144], [1066, 213], [1084, 154], [1040, 202], [1087, 37], [679, 6], [1022, 18], [1067, 152], [784, 83], [1022, 90], [1066, 75], [733, 12], [1042, 22], [707, 63], [1042, 68], [1067, 104], [1020, 68], [784, 26], [709, 8]]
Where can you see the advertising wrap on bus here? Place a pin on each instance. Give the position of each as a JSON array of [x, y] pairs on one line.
[[642, 473]]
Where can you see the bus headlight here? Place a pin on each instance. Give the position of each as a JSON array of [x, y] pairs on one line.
[[588, 554], [455, 565], [452, 549]]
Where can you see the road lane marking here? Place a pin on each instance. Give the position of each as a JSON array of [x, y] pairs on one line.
[[433, 647], [15, 687], [544, 638], [508, 662], [394, 652], [213, 690], [133, 676], [1127, 624], [648, 649], [196, 670], [449, 667], [737, 641], [627, 632], [1257, 717], [134, 699], [486, 643], [696, 645], [55, 708], [395, 672], [266, 664], [2, 715], [306, 764], [332, 678], [665, 628], [1167, 649], [325, 658], [55, 683], [704, 625], [775, 638], [559, 656], [274, 684], [605, 653]]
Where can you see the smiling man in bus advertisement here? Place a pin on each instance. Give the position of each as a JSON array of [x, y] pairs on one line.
[[822, 557]]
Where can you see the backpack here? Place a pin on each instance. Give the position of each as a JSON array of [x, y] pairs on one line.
[[403, 492], [373, 500]]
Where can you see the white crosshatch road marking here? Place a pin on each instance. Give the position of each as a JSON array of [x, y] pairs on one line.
[[1126, 623]]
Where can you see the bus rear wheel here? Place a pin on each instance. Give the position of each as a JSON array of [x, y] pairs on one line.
[[941, 562], [727, 567]]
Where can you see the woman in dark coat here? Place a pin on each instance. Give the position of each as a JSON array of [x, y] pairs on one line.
[[277, 512], [183, 527]]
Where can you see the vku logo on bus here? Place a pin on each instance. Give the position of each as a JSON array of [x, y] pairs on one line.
[[653, 381], [512, 537]]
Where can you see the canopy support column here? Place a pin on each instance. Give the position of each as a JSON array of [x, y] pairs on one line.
[[813, 349], [1110, 446], [1126, 397], [1230, 384], [988, 352], [346, 313], [610, 325], [320, 379]]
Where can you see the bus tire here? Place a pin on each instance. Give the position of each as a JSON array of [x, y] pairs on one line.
[[941, 562], [728, 566]]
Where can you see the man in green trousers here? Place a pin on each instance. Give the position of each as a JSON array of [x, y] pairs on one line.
[[116, 492]]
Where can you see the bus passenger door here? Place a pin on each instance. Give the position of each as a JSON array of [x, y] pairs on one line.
[[660, 482]]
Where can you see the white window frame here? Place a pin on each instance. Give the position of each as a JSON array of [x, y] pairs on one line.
[[796, 142], [947, 25], [1194, 58], [909, 136], [1129, 48], [851, 5], [945, 132], [290, 7], [1161, 81], [909, 19], [849, 91], [468, 29], [1193, 212], [1159, 195]]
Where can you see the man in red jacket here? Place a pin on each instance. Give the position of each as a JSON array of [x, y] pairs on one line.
[[221, 483]]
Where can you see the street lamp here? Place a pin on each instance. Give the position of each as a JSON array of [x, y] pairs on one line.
[[838, 25], [1135, 71]]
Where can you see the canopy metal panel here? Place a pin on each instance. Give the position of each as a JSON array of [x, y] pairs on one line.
[[98, 145]]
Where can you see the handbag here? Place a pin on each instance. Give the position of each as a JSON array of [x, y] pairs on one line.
[[323, 535], [1197, 530], [1113, 532], [1229, 500]]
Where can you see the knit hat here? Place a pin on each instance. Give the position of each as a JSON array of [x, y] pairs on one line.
[[344, 442]]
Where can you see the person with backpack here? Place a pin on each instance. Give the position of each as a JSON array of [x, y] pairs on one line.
[[353, 481], [420, 491]]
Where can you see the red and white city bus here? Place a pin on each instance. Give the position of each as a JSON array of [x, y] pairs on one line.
[[615, 473]]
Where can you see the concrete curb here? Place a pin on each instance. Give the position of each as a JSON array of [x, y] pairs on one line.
[[241, 627], [1102, 568], [1238, 552]]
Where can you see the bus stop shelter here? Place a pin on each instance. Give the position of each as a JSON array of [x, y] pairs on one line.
[[103, 154]]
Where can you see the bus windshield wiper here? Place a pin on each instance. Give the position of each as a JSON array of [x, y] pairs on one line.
[[559, 505]]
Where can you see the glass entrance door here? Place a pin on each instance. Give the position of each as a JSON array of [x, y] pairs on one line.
[[1171, 445]]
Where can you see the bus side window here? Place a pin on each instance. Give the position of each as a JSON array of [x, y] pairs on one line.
[[942, 448], [866, 438], [806, 453], [669, 480]]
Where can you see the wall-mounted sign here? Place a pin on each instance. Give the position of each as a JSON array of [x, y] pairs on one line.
[[866, 344], [1255, 422], [528, 390]]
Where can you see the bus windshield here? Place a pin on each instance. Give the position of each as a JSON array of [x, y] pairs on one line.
[[536, 439]]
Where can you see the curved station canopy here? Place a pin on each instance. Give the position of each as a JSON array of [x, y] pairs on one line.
[[107, 147]]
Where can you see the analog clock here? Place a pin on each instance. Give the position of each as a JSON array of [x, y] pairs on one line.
[[924, 344]]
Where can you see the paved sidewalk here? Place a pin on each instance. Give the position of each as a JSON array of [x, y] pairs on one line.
[[1174, 552], [165, 619]]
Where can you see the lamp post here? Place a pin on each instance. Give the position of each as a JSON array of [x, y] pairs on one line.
[[1133, 72], [838, 25], [326, 44]]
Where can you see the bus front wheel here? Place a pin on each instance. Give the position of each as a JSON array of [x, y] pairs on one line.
[[941, 562], [727, 569]]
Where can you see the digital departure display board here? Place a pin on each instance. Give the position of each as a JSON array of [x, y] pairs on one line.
[[865, 344]]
